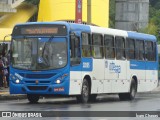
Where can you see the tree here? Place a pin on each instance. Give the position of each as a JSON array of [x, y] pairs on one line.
[[112, 13]]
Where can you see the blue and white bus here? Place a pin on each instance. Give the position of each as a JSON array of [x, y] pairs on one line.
[[60, 58]]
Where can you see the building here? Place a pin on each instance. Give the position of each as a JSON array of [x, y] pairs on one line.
[[13, 12], [95, 12], [131, 15]]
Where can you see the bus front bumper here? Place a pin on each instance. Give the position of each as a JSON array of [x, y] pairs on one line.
[[48, 89]]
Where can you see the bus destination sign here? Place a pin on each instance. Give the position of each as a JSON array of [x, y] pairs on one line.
[[40, 29]]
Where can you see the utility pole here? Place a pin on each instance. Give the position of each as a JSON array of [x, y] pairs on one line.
[[89, 12], [78, 12]]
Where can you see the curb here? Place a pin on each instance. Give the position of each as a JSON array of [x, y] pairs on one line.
[[12, 97]]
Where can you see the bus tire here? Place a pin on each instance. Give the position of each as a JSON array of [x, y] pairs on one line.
[[131, 94], [33, 98], [133, 90], [84, 97]]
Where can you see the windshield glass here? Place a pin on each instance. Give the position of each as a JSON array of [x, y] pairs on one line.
[[39, 53]]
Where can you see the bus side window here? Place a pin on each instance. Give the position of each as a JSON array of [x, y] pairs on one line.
[[154, 51], [130, 48], [75, 54], [148, 50], [109, 49], [97, 46], [141, 50], [120, 48], [86, 45]]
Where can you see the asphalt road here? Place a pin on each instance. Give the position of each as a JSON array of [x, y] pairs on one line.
[[143, 102]]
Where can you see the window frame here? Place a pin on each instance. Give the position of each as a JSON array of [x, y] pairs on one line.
[[119, 49], [100, 46], [109, 47], [129, 49], [150, 52], [74, 60], [138, 50], [89, 45]]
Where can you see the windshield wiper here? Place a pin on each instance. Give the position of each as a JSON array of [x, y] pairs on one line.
[[49, 40]]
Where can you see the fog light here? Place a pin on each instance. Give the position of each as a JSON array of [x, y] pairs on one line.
[[58, 81], [17, 81]]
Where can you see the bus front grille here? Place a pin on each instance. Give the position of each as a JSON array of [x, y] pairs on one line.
[[37, 76], [33, 81], [37, 87]]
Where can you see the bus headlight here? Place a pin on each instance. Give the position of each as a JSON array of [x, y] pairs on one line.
[[17, 81], [58, 81]]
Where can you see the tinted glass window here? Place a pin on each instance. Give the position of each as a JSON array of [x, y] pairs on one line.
[[120, 48], [86, 45], [150, 51], [97, 48], [130, 48], [109, 49]]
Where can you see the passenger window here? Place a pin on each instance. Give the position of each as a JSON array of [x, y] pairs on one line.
[[120, 48], [150, 51], [154, 51], [109, 49], [86, 45], [140, 50], [75, 54], [97, 48], [130, 48]]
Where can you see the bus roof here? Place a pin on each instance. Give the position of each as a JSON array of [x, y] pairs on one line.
[[108, 31], [141, 36]]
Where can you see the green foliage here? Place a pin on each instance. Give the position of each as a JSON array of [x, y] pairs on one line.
[[112, 13], [150, 29], [154, 18]]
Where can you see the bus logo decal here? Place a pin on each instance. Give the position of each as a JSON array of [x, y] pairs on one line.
[[114, 68], [86, 65]]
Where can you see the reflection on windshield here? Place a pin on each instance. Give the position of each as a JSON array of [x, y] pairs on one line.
[[39, 53]]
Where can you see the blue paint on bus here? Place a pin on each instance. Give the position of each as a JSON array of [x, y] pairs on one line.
[[141, 36]]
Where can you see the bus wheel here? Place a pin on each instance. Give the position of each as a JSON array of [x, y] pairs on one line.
[[131, 94], [84, 97], [33, 98], [133, 90]]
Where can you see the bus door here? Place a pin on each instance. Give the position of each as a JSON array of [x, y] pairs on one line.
[[75, 64], [98, 63], [117, 67], [109, 51]]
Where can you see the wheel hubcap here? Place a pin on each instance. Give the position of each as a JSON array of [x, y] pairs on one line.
[[85, 90], [133, 91]]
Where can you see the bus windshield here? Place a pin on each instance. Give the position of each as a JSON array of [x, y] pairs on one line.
[[39, 53]]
